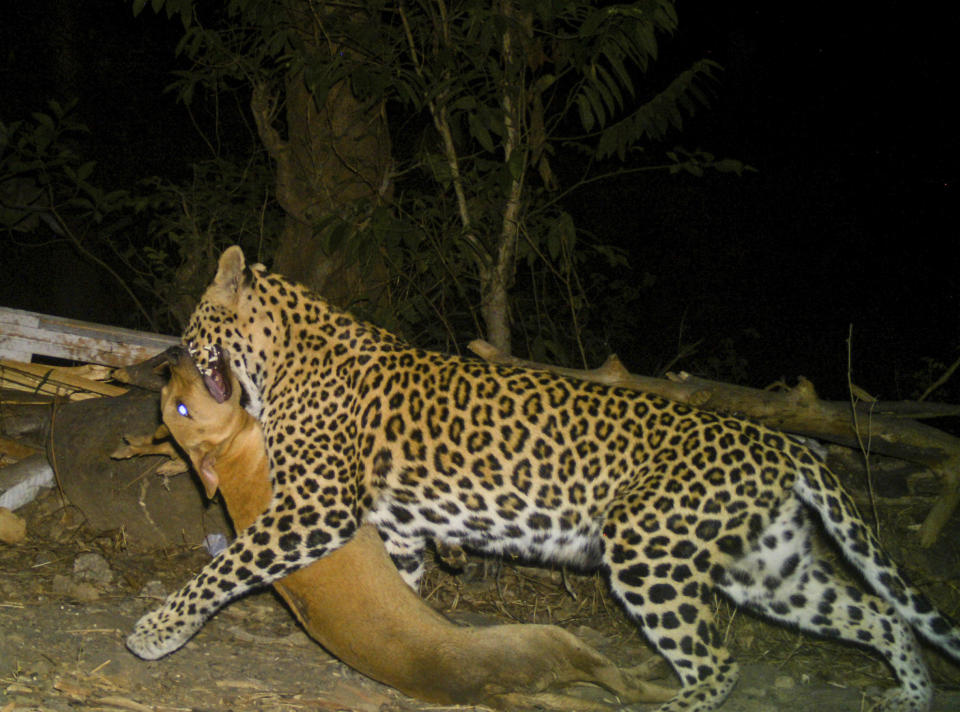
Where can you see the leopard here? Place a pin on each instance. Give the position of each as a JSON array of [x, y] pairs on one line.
[[354, 602], [673, 503]]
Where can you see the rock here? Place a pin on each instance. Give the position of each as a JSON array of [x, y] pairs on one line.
[[13, 529], [93, 568], [79, 591], [22, 481], [153, 589], [784, 682], [37, 670]]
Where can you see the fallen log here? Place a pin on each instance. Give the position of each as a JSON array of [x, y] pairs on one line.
[[128, 496]]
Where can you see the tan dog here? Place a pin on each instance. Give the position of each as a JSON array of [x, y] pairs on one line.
[[354, 603]]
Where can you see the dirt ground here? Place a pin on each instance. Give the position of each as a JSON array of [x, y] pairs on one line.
[[69, 597]]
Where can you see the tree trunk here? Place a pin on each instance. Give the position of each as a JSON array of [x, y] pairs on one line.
[[332, 157]]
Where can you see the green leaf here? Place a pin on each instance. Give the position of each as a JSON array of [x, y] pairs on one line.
[[84, 171], [57, 109], [138, 6], [561, 236], [609, 90], [544, 82], [730, 165], [516, 164], [440, 168], [82, 203], [466, 102], [115, 197], [479, 132], [657, 116], [592, 23], [594, 105], [586, 115], [44, 120], [412, 239]]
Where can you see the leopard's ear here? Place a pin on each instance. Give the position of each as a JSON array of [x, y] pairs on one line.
[[231, 277], [230, 269]]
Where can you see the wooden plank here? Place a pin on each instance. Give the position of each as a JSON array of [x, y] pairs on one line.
[[55, 380], [24, 332]]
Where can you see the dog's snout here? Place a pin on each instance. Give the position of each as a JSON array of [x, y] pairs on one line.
[[174, 354]]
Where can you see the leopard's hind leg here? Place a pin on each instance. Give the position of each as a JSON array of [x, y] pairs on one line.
[[662, 588], [784, 579], [407, 552]]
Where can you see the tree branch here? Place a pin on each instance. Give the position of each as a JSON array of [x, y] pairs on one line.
[[263, 105], [441, 122]]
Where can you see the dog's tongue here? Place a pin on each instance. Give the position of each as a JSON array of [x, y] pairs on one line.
[[215, 377]]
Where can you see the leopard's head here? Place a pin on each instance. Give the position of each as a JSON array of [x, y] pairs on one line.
[[224, 321]]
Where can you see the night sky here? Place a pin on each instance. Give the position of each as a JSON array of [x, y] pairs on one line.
[[849, 219]]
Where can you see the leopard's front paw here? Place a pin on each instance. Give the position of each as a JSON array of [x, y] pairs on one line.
[[160, 632]]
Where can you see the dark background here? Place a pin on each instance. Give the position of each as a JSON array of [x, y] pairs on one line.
[[846, 113]]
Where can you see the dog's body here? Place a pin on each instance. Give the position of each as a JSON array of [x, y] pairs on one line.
[[355, 604]]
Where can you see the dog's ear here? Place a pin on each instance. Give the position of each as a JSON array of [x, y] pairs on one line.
[[162, 432], [208, 474]]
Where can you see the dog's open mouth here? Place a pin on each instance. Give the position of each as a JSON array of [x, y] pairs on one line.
[[215, 374]]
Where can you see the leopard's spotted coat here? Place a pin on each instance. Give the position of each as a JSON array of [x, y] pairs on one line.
[[673, 502]]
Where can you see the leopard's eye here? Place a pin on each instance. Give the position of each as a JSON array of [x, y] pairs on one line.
[[183, 410]]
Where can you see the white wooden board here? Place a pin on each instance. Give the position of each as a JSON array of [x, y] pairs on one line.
[[25, 333]]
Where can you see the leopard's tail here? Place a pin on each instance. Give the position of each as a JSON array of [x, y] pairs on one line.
[[819, 488]]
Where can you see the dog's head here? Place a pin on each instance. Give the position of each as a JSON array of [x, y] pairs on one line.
[[201, 409]]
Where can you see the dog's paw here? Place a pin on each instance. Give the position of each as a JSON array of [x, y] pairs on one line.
[[160, 632]]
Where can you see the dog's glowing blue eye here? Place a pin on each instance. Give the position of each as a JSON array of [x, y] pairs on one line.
[[182, 410]]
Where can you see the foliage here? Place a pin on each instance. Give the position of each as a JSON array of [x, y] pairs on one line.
[[48, 192], [484, 100], [159, 243], [932, 379], [188, 226], [44, 180]]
